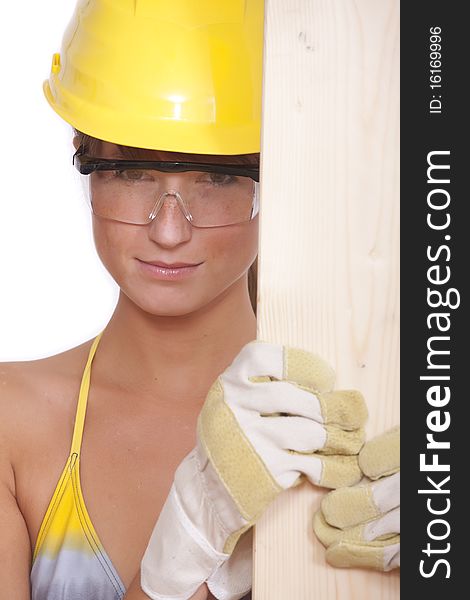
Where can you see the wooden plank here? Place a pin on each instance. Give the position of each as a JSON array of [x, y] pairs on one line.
[[329, 244]]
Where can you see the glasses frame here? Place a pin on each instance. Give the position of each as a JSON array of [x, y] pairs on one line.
[[86, 165]]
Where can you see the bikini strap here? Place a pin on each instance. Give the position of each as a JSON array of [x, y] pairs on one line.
[[83, 399]]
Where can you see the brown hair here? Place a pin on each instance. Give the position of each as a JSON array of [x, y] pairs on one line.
[[253, 284], [91, 145]]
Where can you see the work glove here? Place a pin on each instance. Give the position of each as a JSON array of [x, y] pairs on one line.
[[360, 525], [233, 579], [269, 419]]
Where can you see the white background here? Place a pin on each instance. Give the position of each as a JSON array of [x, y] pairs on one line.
[[54, 292]]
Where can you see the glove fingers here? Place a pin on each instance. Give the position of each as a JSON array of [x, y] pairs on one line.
[[327, 471], [350, 506], [305, 435], [379, 532], [308, 369], [340, 471], [381, 455], [384, 526], [339, 441], [386, 492], [345, 408], [329, 535], [282, 397], [346, 554], [262, 359], [294, 433]]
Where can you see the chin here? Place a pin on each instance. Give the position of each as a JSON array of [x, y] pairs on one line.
[[168, 303], [182, 302], [172, 310]]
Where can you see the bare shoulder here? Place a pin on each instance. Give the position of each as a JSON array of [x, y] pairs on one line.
[[36, 395], [36, 404]]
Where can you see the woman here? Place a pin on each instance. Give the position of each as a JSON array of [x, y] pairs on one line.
[[165, 104]]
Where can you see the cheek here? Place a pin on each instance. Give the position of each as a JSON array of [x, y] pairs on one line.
[[112, 240], [233, 249]]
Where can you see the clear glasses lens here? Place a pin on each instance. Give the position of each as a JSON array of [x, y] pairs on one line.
[[209, 199]]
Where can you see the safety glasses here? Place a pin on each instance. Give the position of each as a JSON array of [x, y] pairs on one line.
[[134, 191]]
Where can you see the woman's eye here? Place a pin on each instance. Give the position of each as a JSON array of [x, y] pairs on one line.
[[103, 175], [135, 175], [218, 178]]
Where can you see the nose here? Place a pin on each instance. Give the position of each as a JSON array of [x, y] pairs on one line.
[[169, 226]]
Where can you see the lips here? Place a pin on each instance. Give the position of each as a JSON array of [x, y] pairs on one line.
[[164, 265], [160, 270]]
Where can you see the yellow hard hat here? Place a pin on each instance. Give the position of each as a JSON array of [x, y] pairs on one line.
[[177, 75]]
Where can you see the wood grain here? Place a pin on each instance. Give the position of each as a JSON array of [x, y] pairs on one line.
[[329, 244]]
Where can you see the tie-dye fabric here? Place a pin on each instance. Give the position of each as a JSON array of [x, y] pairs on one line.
[[69, 561]]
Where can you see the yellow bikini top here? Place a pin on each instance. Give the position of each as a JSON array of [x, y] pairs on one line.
[[69, 560]]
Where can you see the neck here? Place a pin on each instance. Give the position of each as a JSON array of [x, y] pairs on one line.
[[149, 354]]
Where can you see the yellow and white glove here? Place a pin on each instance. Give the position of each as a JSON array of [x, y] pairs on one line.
[[233, 579], [360, 525], [268, 419]]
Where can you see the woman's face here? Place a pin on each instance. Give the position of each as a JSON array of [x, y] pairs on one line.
[[220, 255]]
